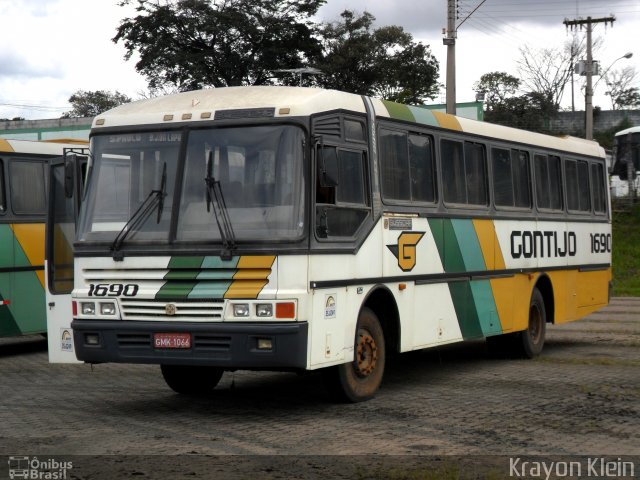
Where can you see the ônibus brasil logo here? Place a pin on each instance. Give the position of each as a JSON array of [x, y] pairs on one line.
[[35, 469]]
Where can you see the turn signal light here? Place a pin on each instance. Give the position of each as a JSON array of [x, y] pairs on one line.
[[286, 310]]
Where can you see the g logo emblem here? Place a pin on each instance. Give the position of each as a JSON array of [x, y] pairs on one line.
[[405, 250]]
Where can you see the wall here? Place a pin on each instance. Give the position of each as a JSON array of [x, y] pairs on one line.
[[573, 122]]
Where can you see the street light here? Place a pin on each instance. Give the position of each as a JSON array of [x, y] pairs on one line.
[[589, 89], [626, 55]]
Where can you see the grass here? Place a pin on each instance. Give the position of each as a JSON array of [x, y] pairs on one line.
[[626, 253]]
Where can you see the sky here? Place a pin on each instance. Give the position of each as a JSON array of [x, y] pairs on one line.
[[53, 48]]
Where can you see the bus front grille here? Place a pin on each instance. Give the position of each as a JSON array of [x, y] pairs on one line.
[[167, 310]]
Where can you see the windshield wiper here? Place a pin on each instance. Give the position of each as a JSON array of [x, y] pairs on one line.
[[215, 198], [154, 200]]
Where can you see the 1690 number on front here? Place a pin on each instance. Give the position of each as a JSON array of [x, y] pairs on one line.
[[113, 289]]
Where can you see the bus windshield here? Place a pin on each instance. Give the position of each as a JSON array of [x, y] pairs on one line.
[[260, 170]]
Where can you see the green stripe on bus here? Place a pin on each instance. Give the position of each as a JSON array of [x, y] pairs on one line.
[[453, 260], [469, 244], [399, 111], [175, 290], [464, 306], [485, 306], [185, 262], [6, 246]]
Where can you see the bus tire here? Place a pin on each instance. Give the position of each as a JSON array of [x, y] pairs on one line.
[[360, 379], [191, 379], [532, 339]]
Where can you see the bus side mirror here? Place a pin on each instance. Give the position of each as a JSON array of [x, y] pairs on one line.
[[328, 166], [69, 175]]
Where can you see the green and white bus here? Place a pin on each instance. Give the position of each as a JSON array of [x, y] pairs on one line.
[[24, 169], [284, 228]]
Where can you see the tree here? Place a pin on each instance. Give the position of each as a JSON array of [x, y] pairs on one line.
[[547, 70], [620, 89], [496, 88], [383, 62], [191, 44], [90, 104]]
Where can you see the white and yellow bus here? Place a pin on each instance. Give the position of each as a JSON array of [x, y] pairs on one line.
[[284, 228]]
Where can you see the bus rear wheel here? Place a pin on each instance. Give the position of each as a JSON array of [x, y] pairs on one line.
[[191, 379], [360, 379], [532, 339]]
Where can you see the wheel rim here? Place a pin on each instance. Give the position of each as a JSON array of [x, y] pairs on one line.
[[366, 354], [535, 323]]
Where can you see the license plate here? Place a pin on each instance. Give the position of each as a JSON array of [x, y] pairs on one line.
[[172, 340]]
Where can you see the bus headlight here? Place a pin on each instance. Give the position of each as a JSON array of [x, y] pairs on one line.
[[264, 310], [240, 309], [88, 308], [107, 309]]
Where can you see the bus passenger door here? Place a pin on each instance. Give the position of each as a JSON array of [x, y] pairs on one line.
[[65, 189]]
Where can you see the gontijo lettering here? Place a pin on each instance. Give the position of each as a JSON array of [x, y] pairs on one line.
[[541, 244]]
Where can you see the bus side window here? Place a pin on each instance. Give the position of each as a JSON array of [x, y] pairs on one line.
[[464, 172], [453, 174], [3, 202], [548, 181], [599, 193], [511, 178], [476, 172], [578, 192], [27, 187]]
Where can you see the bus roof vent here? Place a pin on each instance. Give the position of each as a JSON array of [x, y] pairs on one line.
[[327, 126]]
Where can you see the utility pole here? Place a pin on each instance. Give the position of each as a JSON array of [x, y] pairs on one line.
[[588, 96], [450, 42]]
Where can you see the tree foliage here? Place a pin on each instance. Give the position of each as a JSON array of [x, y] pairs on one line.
[[92, 103], [191, 44], [383, 62], [547, 70], [496, 87], [620, 90]]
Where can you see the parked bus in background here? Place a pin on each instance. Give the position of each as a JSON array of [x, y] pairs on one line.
[[291, 228], [24, 169]]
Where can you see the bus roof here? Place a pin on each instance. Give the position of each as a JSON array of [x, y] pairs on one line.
[[41, 147], [269, 101], [628, 130]]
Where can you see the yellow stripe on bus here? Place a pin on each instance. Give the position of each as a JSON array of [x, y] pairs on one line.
[[251, 276], [493, 260], [30, 236], [447, 121], [5, 146]]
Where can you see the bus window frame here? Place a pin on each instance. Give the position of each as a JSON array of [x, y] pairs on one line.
[[408, 131], [43, 162], [510, 148], [604, 186], [488, 184], [570, 211], [562, 183]]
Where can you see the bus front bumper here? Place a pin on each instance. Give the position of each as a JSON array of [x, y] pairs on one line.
[[227, 345]]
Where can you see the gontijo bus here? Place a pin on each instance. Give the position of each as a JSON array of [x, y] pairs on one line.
[[24, 168], [294, 228]]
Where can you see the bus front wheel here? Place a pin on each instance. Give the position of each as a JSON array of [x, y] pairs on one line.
[[360, 379], [191, 379]]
